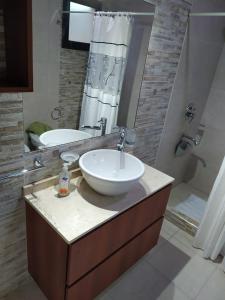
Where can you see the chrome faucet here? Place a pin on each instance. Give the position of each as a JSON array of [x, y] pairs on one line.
[[102, 127], [120, 145], [38, 163], [103, 123], [190, 112], [195, 141]]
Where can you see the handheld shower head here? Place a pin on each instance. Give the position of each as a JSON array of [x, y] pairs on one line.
[[56, 16]]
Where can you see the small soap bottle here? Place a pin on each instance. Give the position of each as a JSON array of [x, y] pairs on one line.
[[64, 182]]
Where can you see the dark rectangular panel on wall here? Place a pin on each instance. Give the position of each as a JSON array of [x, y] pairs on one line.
[[2, 44], [17, 16]]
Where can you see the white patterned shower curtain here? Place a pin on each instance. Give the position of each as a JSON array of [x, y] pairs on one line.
[[105, 72], [210, 236]]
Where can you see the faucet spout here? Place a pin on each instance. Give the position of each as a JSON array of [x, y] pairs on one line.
[[120, 145], [102, 126]]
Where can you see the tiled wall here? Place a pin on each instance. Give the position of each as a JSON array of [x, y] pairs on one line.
[[161, 65], [73, 64], [2, 46], [12, 217]]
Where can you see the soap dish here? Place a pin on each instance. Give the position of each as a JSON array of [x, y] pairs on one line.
[[69, 157]]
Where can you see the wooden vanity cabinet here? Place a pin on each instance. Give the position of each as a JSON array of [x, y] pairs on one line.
[[83, 269]]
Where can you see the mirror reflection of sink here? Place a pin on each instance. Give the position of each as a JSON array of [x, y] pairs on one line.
[[111, 172], [62, 136]]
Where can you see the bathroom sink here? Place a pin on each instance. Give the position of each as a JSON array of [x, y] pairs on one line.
[[111, 172], [62, 136]]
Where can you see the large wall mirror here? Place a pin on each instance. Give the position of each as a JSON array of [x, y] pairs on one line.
[[87, 79]]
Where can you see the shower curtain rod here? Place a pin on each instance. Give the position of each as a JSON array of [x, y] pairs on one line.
[[109, 13], [212, 14], [207, 14]]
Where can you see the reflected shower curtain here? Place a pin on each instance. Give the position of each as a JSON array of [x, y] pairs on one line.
[[106, 66], [211, 233]]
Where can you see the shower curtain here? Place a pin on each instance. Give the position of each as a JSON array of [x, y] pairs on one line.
[[105, 72], [211, 233]]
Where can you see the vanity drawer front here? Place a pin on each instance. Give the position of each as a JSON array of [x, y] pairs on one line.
[[104, 274], [99, 244]]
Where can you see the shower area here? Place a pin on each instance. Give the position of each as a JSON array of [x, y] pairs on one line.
[[192, 147]]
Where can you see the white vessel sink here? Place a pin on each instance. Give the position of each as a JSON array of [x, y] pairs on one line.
[[62, 136], [111, 172]]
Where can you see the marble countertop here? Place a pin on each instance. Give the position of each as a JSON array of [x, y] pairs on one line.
[[84, 209]]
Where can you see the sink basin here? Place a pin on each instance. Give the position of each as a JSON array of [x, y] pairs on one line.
[[62, 136], [111, 172]]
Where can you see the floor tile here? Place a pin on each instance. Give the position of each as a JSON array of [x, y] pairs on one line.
[[184, 237], [194, 275], [181, 192], [103, 296], [173, 270], [214, 287], [142, 282], [183, 241], [161, 242], [168, 230], [29, 291], [169, 260], [171, 292], [220, 264], [188, 273]]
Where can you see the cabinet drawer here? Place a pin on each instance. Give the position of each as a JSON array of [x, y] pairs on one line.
[[91, 250], [104, 274]]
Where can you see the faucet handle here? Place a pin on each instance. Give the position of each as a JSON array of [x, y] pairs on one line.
[[122, 132], [119, 147], [102, 120], [38, 163]]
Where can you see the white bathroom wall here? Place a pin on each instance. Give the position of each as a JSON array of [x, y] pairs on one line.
[[212, 147], [201, 51], [46, 57]]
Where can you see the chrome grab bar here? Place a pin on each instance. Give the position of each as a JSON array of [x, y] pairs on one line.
[[37, 165], [13, 175]]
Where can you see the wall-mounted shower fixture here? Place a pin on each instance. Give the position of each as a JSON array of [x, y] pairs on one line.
[[196, 140], [186, 144], [199, 158], [190, 112]]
